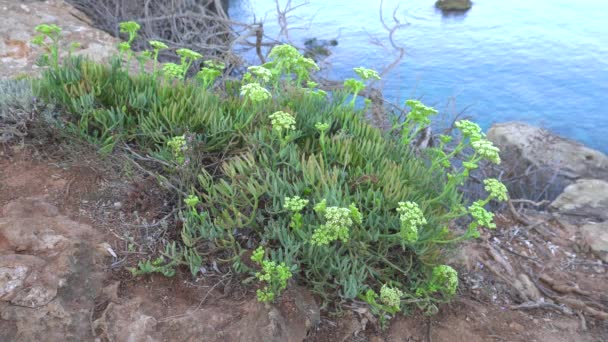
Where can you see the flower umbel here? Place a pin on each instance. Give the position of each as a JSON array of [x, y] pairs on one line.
[[367, 74], [338, 222], [390, 296], [255, 92], [282, 121], [496, 189], [487, 150], [295, 204], [411, 218], [482, 217]]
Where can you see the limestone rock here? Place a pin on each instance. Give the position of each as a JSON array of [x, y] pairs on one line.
[[596, 236], [523, 145], [586, 198], [454, 5], [48, 273], [19, 18]]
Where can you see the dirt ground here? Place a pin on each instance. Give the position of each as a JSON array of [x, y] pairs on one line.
[[534, 282]]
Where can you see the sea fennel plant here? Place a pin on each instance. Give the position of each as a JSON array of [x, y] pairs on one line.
[[336, 205]]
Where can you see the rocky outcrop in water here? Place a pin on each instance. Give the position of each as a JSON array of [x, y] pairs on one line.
[[453, 5]]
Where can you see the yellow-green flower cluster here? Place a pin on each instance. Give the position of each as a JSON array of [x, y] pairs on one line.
[[337, 226], [274, 275], [260, 72], [482, 146], [189, 54], [124, 47], [255, 92], [288, 59], [173, 70], [156, 45], [469, 129], [496, 189], [282, 121], [481, 216], [390, 296], [420, 113], [129, 27], [487, 150], [322, 126], [295, 204], [178, 145], [444, 280], [366, 74], [411, 218]]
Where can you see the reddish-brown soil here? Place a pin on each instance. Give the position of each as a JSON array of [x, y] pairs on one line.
[[502, 274]]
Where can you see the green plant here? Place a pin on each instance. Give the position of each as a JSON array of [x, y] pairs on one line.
[[274, 276], [158, 265], [53, 33], [382, 215]]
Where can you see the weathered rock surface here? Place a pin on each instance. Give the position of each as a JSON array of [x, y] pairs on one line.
[[19, 18], [587, 198], [49, 275], [454, 5], [523, 145], [596, 236], [143, 319]]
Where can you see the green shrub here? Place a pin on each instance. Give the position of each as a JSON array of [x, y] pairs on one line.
[[341, 206]]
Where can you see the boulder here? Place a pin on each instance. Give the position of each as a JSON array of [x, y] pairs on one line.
[[596, 236], [523, 145], [586, 198], [453, 5]]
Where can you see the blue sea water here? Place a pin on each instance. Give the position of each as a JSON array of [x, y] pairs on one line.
[[544, 62]]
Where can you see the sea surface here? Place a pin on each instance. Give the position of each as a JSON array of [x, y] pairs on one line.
[[544, 62]]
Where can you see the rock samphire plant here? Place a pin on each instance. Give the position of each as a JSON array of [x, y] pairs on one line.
[[286, 182]]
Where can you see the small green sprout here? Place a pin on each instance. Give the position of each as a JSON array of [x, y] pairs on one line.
[[191, 201], [52, 32], [274, 275]]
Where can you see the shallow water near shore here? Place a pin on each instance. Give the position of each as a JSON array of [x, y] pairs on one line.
[[544, 62]]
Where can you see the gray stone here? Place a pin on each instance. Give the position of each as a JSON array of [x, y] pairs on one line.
[[596, 236], [523, 145], [586, 198]]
